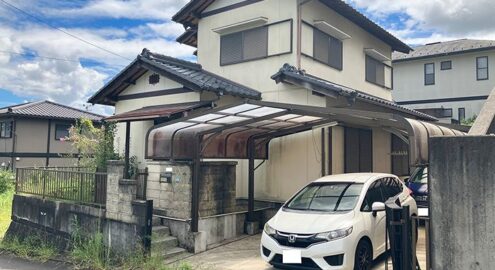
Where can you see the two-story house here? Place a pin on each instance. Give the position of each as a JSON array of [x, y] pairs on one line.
[[314, 76], [34, 134], [449, 80]]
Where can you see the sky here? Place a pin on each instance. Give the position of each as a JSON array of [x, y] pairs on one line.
[[38, 61]]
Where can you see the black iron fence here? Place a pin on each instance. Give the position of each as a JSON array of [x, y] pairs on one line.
[[71, 185]]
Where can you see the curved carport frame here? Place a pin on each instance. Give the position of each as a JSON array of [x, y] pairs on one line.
[[244, 131]]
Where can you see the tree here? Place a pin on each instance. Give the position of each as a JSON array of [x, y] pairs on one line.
[[94, 145], [469, 121]]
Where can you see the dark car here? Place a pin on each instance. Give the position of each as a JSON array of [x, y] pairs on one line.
[[418, 184]]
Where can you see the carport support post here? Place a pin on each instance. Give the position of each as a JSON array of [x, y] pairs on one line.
[[252, 226], [195, 186]]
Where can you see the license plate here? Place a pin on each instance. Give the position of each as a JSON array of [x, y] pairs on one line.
[[292, 256]]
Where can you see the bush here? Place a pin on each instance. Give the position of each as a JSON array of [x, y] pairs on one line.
[[6, 181], [32, 247]]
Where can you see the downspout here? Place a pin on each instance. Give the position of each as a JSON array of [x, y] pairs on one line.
[[300, 3], [47, 162]]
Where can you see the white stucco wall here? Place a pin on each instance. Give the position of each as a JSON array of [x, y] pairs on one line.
[[458, 82]]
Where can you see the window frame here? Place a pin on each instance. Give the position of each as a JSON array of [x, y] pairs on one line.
[[57, 126], [329, 38], [425, 65], [242, 33], [459, 114], [443, 62], [478, 69], [4, 124], [384, 67]]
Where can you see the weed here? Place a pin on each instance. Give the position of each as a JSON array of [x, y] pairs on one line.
[[31, 247]]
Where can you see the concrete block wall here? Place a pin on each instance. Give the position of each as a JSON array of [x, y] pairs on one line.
[[462, 202], [120, 194], [217, 188]]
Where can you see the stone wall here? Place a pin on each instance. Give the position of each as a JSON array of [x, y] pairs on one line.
[[173, 199], [122, 221], [462, 202]]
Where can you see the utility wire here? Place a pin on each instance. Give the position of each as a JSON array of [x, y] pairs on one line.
[[39, 56], [9, 5]]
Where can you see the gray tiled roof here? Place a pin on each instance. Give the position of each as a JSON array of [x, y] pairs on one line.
[[48, 109], [196, 75], [445, 48], [190, 75], [352, 94]]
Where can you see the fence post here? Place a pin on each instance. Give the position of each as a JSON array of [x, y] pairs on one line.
[[44, 183], [16, 180], [80, 186], [145, 185]]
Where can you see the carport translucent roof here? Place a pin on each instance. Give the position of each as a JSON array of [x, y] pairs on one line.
[[227, 132]]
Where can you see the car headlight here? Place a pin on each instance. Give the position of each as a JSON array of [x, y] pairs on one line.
[[269, 230], [334, 235]]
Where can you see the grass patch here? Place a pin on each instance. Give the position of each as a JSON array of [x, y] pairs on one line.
[[30, 248], [5, 211]]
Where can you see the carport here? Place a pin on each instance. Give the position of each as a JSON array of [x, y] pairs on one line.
[[244, 131]]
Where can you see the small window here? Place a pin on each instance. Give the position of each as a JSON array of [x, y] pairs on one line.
[[430, 74], [327, 49], [5, 129], [482, 68], [461, 114], [375, 71], [61, 132], [244, 46], [446, 65]]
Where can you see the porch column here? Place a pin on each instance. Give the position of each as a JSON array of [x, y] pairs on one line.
[[251, 181], [127, 144]]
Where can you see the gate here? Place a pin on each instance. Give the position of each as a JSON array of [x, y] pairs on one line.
[[405, 233]]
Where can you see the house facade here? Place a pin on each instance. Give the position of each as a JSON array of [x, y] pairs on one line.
[[33, 134], [450, 80]]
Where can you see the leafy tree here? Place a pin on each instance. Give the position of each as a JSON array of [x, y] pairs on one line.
[[6, 181], [469, 121], [94, 145]]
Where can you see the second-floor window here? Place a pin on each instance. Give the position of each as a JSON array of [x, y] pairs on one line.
[[6, 129], [482, 68], [445, 65], [244, 46], [327, 49], [430, 74], [375, 71]]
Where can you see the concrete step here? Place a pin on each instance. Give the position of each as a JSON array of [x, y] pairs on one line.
[[174, 252], [159, 245], [156, 221], [160, 231]]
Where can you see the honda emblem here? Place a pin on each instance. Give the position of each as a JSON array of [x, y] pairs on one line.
[[292, 238]]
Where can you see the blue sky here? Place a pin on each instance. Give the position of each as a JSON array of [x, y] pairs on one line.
[[126, 27]]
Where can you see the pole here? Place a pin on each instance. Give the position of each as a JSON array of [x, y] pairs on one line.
[[251, 180], [127, 144], [195, 186]]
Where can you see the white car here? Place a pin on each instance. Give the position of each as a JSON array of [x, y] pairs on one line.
[[336, 222]]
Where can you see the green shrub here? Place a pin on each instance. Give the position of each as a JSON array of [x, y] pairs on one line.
[[6, 181]]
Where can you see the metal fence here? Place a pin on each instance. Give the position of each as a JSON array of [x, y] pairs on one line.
[[71, 185], [418, 256]]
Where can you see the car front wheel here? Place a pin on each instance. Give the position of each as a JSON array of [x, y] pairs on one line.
[[363, 258]]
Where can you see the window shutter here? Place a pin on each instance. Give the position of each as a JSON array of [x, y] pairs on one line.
[[335, 59], [255, 43], [320, 46], [231, 48], [370, 69], [380, 73]]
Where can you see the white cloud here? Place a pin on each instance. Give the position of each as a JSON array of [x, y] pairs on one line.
[[444, 19], [73, 82], [134, 9]]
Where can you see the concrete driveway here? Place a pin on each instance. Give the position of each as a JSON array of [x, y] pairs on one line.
[[243, 254]]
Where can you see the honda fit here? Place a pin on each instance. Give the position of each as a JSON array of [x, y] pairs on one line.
[[336, 222]]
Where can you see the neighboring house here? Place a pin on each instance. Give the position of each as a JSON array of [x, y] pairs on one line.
[[449, 80], [33, 134], [320, 53]]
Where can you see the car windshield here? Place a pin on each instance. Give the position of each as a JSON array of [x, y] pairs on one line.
[[326, 197], [420, 176]]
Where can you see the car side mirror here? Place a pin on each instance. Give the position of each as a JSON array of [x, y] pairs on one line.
[[377, 207]]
